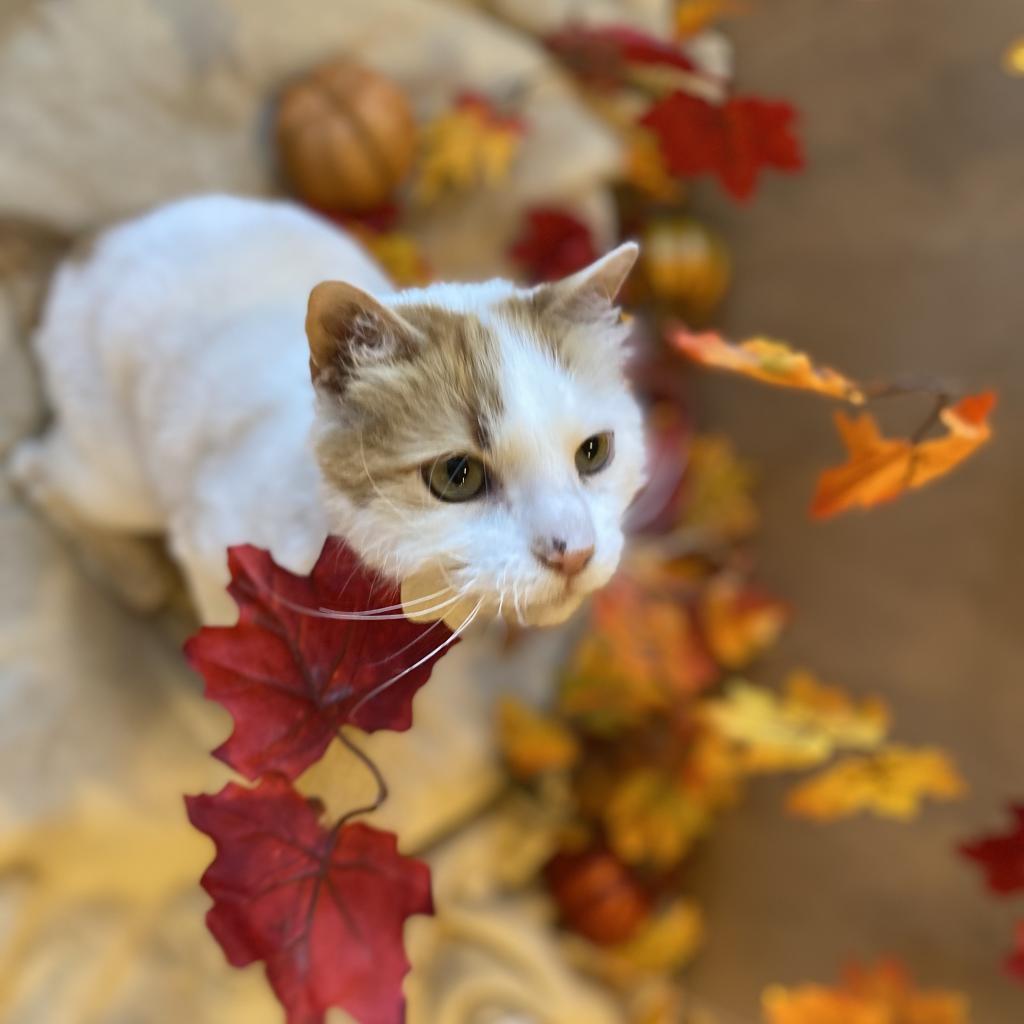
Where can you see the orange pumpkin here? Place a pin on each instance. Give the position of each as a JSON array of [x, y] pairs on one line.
[[346, 137], [596, 895]]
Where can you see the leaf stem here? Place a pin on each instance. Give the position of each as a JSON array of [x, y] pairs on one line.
[[378, 778], [941, 402]]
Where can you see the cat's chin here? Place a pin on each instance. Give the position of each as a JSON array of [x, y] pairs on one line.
[[552, 614]]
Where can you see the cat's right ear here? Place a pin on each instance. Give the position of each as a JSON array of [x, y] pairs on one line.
[[347, 328]]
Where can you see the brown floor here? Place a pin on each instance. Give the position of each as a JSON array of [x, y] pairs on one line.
[[900, 249]]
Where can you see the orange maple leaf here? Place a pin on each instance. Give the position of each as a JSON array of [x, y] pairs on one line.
[[882, 994], [740, 622], [767, 360], [641, 655], [880, 469]]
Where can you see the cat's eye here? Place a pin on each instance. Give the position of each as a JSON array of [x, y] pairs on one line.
[[595, 453], [456, 477]]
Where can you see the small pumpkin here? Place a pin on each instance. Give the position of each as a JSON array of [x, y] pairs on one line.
[[346, 137], [597, 896], [686, 264]]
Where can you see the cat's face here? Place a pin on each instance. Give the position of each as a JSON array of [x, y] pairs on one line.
[[480, 438]]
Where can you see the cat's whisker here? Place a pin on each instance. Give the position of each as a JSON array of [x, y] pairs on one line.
[[330, 613], [516, 605], [377, 690]]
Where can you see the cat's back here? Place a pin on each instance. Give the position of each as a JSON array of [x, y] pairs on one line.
[[177, 334]]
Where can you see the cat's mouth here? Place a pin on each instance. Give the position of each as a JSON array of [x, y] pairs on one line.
[[431, 595]]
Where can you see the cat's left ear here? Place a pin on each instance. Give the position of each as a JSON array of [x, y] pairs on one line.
[[591, 292]]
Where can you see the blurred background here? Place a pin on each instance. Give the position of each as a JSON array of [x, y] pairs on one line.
[[885, 237]]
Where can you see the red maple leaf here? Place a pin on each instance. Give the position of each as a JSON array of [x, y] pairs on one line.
[[733, 141], [291, 678], [322, 908], [603, 55], [1002, 858], [553, 243]]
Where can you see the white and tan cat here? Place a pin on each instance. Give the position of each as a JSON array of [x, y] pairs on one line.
[[483, 431]]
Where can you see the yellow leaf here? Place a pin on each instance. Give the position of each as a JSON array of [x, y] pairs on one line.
[[468, 146], [766, 360], [401, 257], [803, 729], [665, 942], [891, 783], [645, 167], [651, 819], [879, 469], [719, 489], [739, 623], [693, 16], [532, 742]]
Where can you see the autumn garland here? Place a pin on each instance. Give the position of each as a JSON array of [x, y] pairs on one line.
[[322, 905]]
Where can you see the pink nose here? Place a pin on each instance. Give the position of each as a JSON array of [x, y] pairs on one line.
[[568, 563]]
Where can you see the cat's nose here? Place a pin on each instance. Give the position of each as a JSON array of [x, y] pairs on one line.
[[556, 554]]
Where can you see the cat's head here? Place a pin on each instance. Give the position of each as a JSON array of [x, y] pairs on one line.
[[482, 436]]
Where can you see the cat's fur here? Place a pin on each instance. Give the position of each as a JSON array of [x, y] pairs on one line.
[[174, 357]]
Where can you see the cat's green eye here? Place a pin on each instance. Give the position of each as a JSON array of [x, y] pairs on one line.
[[456, 477], [595, 453]]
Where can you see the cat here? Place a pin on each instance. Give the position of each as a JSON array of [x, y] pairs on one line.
[[482, 436]]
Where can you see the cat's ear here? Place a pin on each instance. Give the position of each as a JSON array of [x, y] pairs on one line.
[[591, 292], [347, 328]]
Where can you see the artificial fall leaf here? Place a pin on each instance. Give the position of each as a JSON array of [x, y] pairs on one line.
[[641, 655], [611, 55], [804, 728], [711, 771], [323, 908], [764, 359], [719, 489], [880, 994], [645, 167], [553, 244], [733, 140], [533, 743], [815, 1004], [739, 622], [1001, 857], [651, 819], [663, 944], [888, 984], [693, 16], [401, 257], [290, 678], [891, 783], [880, 469], [471, 144]]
